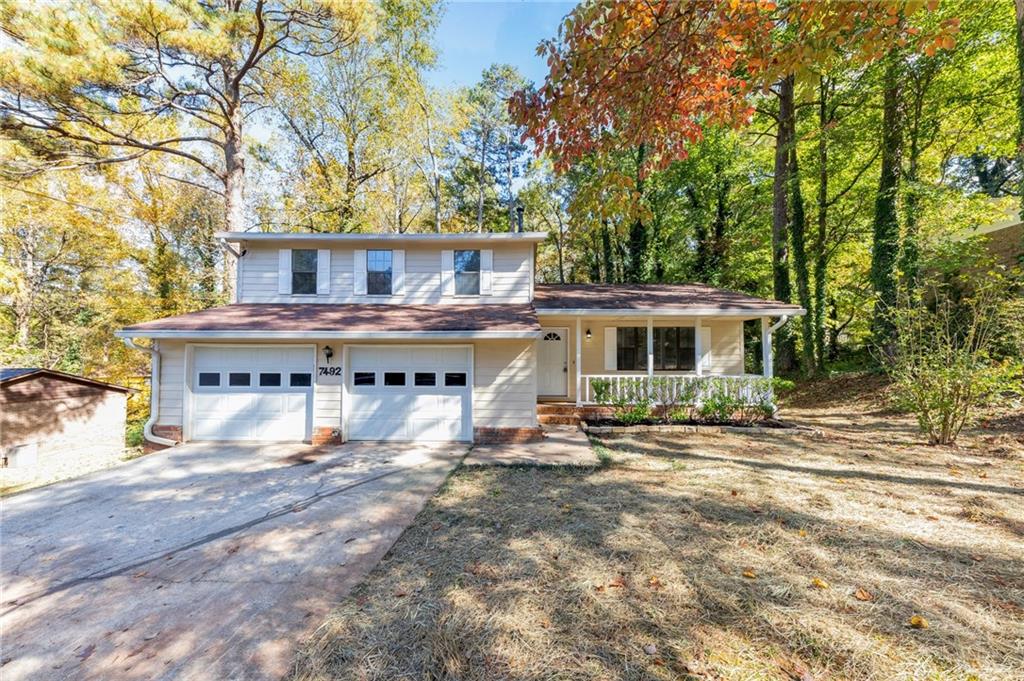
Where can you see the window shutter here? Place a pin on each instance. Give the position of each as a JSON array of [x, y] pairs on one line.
[[447, 273], [611, 354], [323, 271], [359, 272], [705, 347], [284, 271], [397, 272], [486, 267]]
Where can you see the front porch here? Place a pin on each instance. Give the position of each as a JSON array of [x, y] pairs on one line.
[[665, 359]]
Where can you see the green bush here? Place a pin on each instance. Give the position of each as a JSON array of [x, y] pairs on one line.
[[941, 365], [602, 389], [133, 436], [635, 413]]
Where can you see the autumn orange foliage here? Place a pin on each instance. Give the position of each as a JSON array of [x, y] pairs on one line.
[[658, 72]]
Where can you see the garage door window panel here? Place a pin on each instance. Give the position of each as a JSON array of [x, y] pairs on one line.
[[270, 380], [300, 380], [454, 379], [425, 379], [239, 379], [394, 378], [209, 379], [378, 273], [364, 378], [304, 271]]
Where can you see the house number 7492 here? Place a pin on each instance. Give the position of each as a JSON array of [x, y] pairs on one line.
[[330, 371]]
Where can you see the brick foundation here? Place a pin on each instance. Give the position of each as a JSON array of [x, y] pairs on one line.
[[326, 436], [495, 436], [169, 432]]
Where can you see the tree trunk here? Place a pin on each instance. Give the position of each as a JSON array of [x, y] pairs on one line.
[[785, 352], [234, 156], [560, 245], [512, 221], [638, 231], [911, 251], [1020, 96], [721, 221], [886, 237], [606, 250], [820, 252], [348, 204], [798, 234], [480, 183]]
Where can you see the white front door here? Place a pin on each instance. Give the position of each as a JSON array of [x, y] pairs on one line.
[[553, 362], [411, 393], [251, 392]]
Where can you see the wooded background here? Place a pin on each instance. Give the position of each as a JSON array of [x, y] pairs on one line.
[[832, 154]]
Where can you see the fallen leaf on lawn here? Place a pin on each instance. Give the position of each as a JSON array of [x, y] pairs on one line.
[[750, 574], [546, 623], [794, 669], [819, 583], [618, 583], [599, 588], [734, 493], [658, 662], [976, 559], [436, 526], [863, 595], [931, 517], [566, 508], [654, 582], [401, 593], [983, 474], [953, 470], [918, 622], [651, 649], [803, 533]]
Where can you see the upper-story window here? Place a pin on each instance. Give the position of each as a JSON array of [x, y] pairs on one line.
[[467, 273], [304, 271], [378, 273]]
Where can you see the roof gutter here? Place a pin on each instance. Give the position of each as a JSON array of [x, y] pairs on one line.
[[223, 334], [154, 394], [774, 327], [751, 313]]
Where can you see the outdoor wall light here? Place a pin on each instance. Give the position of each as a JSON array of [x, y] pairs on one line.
[[328, 353], [589, 335]]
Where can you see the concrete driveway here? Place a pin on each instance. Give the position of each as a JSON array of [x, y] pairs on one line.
[[208, 561]]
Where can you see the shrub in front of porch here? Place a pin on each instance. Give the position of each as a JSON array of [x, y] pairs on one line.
[[695, 400]]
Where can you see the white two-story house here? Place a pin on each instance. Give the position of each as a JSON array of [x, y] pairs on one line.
[[421, 337]]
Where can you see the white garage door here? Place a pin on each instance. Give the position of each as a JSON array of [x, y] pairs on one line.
[[252, 393], [409, 393]]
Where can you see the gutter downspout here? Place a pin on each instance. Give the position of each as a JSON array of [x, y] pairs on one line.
[[154, 394], [766, 342]]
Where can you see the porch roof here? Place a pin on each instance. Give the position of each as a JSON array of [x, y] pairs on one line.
[[324, 320], [654, 300]]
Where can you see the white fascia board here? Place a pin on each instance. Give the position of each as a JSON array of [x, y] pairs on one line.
[[325, 335], [672, 312], [349, 237]]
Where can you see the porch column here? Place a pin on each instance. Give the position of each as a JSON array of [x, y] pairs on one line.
[[650, 348], [766, 348], [579, 360], [697, 348]]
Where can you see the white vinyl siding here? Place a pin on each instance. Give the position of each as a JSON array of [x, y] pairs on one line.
[[510, 278], [504, 384], [172, 382]]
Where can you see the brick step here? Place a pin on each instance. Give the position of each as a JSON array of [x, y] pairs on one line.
[[557, 420], [556, 408]]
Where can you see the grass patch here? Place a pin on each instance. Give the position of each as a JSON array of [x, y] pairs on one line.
[[704, 557]]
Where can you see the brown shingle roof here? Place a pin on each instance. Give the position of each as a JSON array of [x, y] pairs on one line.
[[360, 318], [649, 297]]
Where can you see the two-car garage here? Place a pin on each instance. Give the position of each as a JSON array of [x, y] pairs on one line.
[[267, 393]]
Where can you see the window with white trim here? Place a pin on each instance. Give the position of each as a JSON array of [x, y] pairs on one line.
[[467, 273], [674, 348], [304, 265], [379, 272]]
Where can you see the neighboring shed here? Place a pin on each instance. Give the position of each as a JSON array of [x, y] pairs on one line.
[[51, 421]]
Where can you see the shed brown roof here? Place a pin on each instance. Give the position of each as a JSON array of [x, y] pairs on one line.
[[360, 318], [11, 375], [649, 297]]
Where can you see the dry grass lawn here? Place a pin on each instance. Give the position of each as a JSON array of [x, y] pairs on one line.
[[708, 557]]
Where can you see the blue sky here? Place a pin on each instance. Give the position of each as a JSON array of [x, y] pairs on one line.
[[474, 35]]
